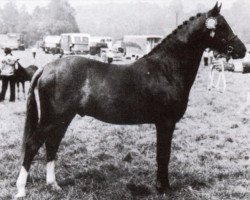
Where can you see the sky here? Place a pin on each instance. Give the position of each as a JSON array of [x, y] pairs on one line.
[[188, 4]]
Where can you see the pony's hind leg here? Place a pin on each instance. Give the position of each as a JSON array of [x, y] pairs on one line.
[[52, 144], [31, 148]]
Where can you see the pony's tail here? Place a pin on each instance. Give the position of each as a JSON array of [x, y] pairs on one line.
[[32, 112]]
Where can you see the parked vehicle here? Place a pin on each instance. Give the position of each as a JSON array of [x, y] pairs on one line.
[[101, 39], [139, 45], [96, 50], [74, 43], [116, 55], [51, 44], [14, 41]]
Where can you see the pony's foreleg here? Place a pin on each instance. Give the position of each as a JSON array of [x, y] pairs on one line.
[[52, 144], [165, 131]]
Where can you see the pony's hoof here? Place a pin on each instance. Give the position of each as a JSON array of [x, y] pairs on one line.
[[55, 186], [20, 194], [163, 189]]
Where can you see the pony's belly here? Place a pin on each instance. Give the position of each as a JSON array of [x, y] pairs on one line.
[[123, 119], [120, 115]]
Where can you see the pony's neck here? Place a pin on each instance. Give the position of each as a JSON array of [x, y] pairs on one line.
[[181, 52]]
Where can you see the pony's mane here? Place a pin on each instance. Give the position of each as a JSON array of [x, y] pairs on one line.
[[174, 32]]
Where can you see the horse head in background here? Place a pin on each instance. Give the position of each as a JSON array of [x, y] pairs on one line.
[[154, 89]]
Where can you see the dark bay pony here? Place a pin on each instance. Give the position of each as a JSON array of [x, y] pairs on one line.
[[22, 75], [154, 89]]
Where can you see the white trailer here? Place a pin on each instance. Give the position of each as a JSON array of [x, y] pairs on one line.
[[73, 43]]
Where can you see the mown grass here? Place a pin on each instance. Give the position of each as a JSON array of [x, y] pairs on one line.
[[96, 160]]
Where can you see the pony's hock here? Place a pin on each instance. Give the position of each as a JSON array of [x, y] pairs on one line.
[[154, 89]]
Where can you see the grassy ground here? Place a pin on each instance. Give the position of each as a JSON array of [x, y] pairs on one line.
[[210, 151]]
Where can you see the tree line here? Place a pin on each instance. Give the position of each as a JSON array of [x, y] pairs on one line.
[[111, 19], [56, 18], [143, 17]]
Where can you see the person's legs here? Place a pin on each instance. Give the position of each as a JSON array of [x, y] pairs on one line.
[[217, 86], [4, 87], [224, 81], [211, 76], [205, 61], [12, 88], [110, 60]]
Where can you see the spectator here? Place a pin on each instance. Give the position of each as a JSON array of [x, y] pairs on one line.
[[7, 73], [218, 64], [205, 56], [110, 56]]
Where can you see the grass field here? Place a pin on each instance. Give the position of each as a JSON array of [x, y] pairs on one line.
[[210, 151]]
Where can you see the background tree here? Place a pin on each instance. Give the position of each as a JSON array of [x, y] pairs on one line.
[[56, 18], [60, 18], [111, 19], [9, 15]]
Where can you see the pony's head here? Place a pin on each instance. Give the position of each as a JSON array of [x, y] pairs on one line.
[[219, 35]]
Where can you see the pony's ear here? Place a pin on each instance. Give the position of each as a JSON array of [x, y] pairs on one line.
[[216, 10]]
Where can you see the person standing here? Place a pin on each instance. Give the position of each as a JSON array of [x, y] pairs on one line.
[[210, 56], [218, 64], [110, 56], [7, 73], [205, 56], [33, 50]]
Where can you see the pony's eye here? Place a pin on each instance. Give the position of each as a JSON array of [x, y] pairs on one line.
[[230, 49]]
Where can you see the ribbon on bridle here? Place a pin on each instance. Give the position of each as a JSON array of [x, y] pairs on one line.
[[211, 23]]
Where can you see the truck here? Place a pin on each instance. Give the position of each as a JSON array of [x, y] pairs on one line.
[[75, 43], [101, 39]]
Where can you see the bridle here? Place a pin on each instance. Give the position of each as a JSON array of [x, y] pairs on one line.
[[212, 27]]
